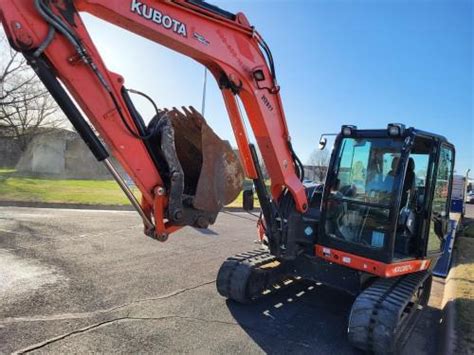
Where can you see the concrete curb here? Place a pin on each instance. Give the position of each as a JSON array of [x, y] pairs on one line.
[[449, 304], [82, 206], [449, 313]]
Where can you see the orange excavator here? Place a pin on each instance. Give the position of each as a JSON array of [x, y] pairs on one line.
[[376, 227]]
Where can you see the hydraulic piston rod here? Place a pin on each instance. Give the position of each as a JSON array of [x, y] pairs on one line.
[[149, 226], [86, 133]]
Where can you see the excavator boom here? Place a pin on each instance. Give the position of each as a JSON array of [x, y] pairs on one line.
[[54, 39]]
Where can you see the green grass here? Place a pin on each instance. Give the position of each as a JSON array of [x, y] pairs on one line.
[[469, 231], [91, 192], [463, 274], [31, 189], [238, 202]]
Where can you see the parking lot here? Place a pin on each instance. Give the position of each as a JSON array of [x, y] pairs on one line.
[[89, 281]]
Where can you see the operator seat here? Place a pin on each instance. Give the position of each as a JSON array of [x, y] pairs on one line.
[[394, 166]]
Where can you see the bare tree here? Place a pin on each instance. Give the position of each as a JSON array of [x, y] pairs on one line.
[[26, 108], [318, 162]]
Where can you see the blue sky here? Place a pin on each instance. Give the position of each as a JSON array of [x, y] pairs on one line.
[[366, 63]]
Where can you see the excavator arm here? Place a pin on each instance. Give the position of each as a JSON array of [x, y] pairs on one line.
[[55, 41]]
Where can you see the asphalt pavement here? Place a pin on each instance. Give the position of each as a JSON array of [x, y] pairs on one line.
[[81, 281]]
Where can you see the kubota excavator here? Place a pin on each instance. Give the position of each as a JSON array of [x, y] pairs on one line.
[[376, 228]]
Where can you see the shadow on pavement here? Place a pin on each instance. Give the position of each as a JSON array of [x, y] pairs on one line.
[[307, 318], [302, 318], [205, 231], [460, 313]]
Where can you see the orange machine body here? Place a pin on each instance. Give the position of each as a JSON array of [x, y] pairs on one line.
[[229, 48]]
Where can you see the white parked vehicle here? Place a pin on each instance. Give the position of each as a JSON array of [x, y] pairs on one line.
[[470, 197]]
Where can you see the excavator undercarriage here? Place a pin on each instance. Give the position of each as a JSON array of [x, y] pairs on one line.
[[384, 311]]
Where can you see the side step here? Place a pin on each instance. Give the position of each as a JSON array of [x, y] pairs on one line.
[[384, 314], [245, 276]]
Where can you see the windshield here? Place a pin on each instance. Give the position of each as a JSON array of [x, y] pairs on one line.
[[366, 169], [362, 193]]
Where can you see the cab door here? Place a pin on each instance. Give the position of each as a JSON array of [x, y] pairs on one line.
[[441, 202]]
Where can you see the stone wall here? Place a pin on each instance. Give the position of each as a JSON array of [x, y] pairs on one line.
[[10, 152], [61, 154]]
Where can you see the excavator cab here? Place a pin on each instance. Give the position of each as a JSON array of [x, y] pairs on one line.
[[387, 194], [375, 230]]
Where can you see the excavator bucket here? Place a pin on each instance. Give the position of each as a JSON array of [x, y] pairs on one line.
[[213, 174]]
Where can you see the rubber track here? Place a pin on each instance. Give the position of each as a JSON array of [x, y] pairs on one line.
[[377, 322], [235, 274]]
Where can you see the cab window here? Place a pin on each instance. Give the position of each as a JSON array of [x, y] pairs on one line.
[[412, 198], [362, 193], [440, 204]]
